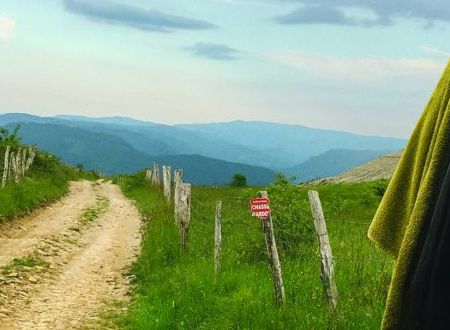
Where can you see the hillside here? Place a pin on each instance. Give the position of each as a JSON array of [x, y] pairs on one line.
[[331, 163], [111, 155], [293, 144], [173, 287], [380, 168], [46, 180], [153, 139], [271, 145]]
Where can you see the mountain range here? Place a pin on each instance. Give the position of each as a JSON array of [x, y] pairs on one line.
[[209, 153]]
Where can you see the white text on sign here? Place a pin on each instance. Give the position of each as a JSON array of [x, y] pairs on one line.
[[260, 208]]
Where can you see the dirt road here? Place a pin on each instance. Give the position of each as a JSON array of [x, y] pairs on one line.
[[63, 265]]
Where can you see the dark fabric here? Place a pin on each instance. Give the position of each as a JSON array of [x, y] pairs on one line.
[[429, 294]]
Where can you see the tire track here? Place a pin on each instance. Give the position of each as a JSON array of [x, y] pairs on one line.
[[87, 268]]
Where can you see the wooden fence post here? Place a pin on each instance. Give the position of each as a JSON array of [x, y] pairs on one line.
[[218, 238], [6, 166], [151, 174], [272, 252], [156, 175], [13, 166], [327, 267], [23, 161], [32, 154], [10, 166], [184, 213], [18, 163], [167, 186], [178, 179], [153, 177]]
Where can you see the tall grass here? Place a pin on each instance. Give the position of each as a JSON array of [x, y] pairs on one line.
[[177, 291]]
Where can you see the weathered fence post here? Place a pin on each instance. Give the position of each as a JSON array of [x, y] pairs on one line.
[[158, 176], [18, 163], [272, 252], [151, 174], [327, 267], [10, 166], [218, 238], [14, 171], [156, 180], [153, 177], [32, 154], [167, 173], [6, 166], [177, 179], [23, 161], [184, 212]]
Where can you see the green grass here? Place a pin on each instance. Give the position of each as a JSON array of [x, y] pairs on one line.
[[92, 213], [46, 182], [176, 291], [24, 264]]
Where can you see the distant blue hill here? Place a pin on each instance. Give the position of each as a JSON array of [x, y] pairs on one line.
[[112, 155], [290, 145], [295, 149], [155, 139], [116, 120], [331, 163]]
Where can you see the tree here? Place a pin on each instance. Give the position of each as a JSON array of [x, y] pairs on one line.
[[239, 180], [10, 138]]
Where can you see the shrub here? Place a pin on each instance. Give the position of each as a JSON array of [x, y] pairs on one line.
[[239, 180], [379, 188], [7, 138], [293, 226]]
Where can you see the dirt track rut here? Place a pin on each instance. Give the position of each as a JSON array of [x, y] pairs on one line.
[[61, 265]]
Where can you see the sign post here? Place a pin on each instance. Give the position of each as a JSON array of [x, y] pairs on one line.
[[260, 208]]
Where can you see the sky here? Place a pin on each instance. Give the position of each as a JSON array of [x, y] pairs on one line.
[[361, 66]]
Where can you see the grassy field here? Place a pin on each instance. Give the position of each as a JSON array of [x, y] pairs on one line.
[[176, 291], [46, 181]]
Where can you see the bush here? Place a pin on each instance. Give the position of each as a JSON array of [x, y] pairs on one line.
[[9, 139], [239, 180], [293, 226], [379, 188]]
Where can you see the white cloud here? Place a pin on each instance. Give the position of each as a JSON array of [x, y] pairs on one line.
[[7, 26], [359, 68], [435, 51]]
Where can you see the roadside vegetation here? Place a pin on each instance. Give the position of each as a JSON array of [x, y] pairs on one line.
[[174, 290], [46, 181]]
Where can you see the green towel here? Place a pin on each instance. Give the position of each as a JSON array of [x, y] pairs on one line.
[[410, 198]]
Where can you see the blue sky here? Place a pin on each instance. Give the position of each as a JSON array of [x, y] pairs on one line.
[[361, 66]]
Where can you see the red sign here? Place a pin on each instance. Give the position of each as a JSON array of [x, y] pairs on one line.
[[260, 208]]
